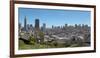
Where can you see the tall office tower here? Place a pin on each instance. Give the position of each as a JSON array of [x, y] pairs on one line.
[[25, 23], [66, 25], [44, 27], [37, 24], [52, 26], [19, 27], [28, 26], [76, 25], [31, 27], [37, 31]]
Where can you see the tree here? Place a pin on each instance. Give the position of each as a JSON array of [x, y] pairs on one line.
[[41, 35], [32, 40]]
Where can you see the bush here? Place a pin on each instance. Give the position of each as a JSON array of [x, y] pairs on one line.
[[21, 43], [41, 34], [32, 40]]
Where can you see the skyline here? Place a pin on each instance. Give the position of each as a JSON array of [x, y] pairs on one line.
[[50, 16]]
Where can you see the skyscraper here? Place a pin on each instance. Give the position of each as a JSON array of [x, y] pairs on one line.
[[44, 27], [37, 24], [52, 26], [19, 27], [66, 25], [25, 23], [37, 31]]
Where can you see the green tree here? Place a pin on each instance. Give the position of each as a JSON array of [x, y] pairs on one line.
[[41, 34], [32, 40]]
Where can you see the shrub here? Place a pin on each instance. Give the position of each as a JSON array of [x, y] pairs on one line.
[[41, 34], [32, 40]]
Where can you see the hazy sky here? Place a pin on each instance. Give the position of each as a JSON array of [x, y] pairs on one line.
[[53, 16]]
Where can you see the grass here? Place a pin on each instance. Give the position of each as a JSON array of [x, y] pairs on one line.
[[24, 46]]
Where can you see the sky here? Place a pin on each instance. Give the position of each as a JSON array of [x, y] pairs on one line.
[[54, 17]]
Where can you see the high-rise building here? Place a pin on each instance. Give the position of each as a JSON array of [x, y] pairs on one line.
[[25, 23], [31, 27], [19, 29], [76, 25], [28, 26], [66, 25], [44, 27], [52, 26], [37, 24], [37, 31]]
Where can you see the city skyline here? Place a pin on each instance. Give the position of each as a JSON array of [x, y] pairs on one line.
[[54, 17]]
